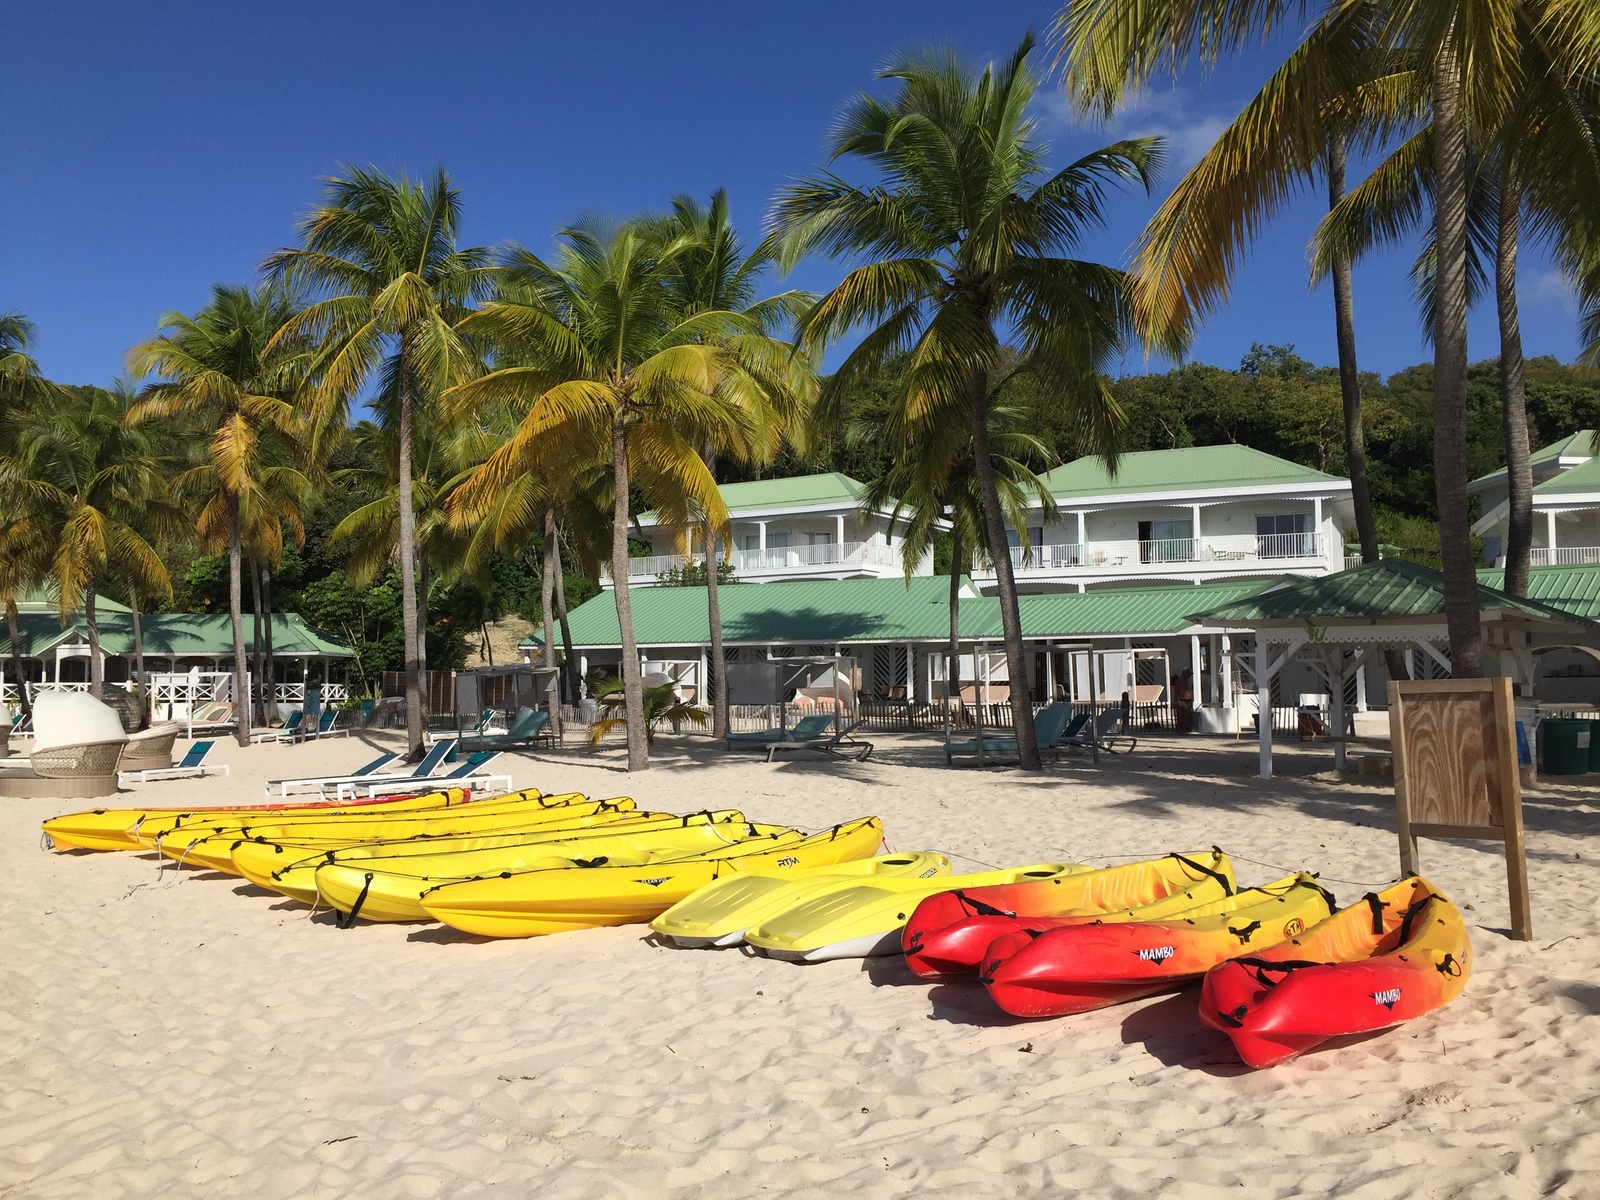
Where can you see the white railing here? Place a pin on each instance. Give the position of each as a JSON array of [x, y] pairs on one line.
[[774, 558], [1561, 556], [826, 554], [1352, 561], [1215, 551]]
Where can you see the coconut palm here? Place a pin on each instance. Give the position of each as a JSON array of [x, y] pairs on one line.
[[963, 240], [211, 373], [92, 480], [1536, 175], [390, 286], [602, 362], [1472, 59], [24, 557], [933, 481], [660, 704], [714, 273]]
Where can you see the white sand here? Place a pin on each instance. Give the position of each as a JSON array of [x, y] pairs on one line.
[[203, 1038]]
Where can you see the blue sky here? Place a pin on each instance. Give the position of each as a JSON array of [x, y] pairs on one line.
[[149, 151]]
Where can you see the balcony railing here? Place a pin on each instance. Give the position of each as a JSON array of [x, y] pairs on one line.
[[819, 556], [1561, 556], [1211, 551]]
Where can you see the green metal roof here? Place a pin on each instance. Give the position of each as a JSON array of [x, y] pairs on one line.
[[1571, 589], [1576, 445], [797, 491], [1134, 610], [1186, 469], [1582, 478], [1390, 589], [44, 600], [184, 635], [824, 612]]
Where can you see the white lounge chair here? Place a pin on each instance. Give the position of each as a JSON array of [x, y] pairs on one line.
[[192, 763], [308, 783], [470, 773]]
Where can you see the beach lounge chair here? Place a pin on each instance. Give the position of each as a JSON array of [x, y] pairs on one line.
[[192, 763], [1103, 733], [806, 729], [289, 733], [529, 725], [839, 745], [428, 765], [470, 773], [325, 726], [216, 714], [1049, 730]]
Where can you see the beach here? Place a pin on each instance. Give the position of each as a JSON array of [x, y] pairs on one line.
[[186, 1033]]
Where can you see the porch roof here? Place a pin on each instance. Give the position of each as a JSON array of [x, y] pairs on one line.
[[181, 635]]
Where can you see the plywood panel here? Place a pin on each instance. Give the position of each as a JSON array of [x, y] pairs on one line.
[[1453, 758]]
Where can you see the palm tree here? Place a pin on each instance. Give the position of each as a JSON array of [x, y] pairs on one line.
[[964, 236], [24, 553], [1472, 60], [716, 273], [603, 362], [933, 480], [391, 284], [213, 375], [93, 480]]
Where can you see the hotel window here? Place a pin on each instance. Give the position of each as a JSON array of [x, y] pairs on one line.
[[1286, 535], [1166, 541]]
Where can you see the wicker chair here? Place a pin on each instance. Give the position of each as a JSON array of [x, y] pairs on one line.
[[150, 749], [91, 760]]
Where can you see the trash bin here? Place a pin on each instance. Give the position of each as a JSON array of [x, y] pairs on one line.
[[1566, 746], [1594, 745]]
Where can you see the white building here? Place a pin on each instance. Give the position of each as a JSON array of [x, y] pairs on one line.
[[1196, 514], [806, 527], [1566, 506]]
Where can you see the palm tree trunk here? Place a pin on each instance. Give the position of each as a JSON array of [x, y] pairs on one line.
[[632, 679], [408, 563], [140, 680], [953, 679], [1450, 368], [269, 679], [547, 586], [719, 694], [97, 669], [1355, 438], [569, 668], [1010, 619], [12, 625], [258, 700], [1513, 390], [241, 673], [424, 586]]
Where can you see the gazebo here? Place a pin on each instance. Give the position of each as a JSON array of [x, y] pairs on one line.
[[1337, 623]]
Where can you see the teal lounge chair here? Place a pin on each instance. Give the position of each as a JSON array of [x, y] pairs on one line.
[[192, 763], [840, 745], [806, 729], [470, 773], [430, 763], [1049, 728], [529, 725], [289, 733], [1103, 735], [325, 725]]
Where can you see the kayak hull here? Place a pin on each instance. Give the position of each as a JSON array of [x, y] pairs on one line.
[[949, 934], [1397, 955]]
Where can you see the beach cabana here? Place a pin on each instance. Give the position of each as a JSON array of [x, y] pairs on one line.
[[1337, 623]]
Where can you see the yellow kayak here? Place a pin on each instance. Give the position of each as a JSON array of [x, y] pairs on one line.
[[294, 871], [194, 847], [855, 918], [719, 913], [204, 824], [110, 828], [540, 902], [390, 889]]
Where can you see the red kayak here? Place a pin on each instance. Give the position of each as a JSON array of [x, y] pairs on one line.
[[1398, 954], [949, 933], [1081, 967]]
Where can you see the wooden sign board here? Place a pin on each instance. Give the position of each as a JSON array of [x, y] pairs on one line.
[[1456, 776]]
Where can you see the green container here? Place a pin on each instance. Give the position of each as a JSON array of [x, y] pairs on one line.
[[1594, 745], [1566, 746]]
